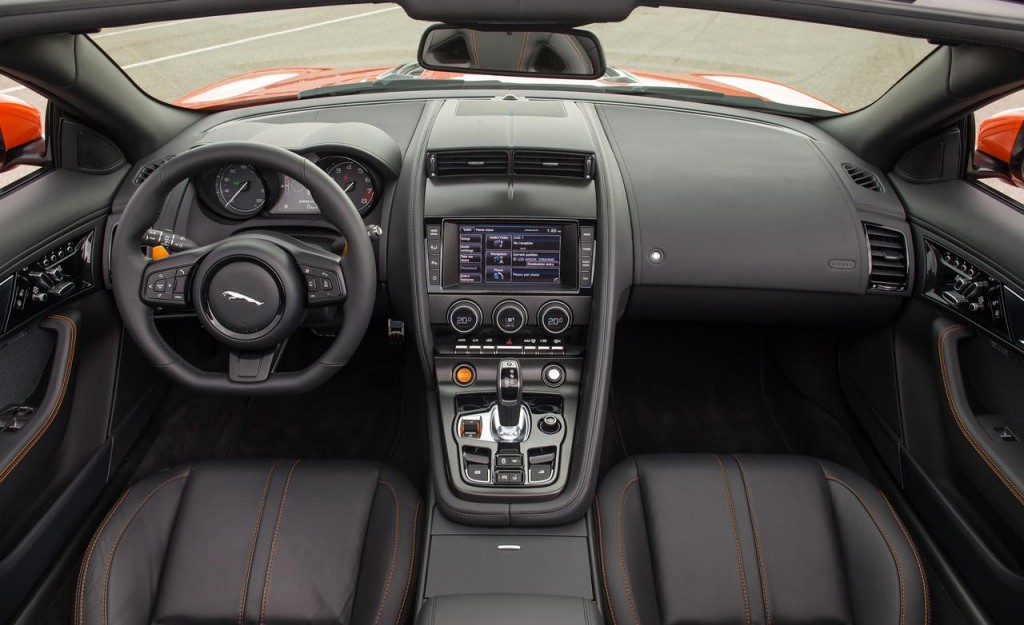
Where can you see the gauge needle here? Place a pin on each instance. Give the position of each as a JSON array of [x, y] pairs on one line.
[[349, 187], [245, 185]]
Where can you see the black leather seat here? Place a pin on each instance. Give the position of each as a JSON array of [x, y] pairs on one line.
[[753, 539], [255, 542]]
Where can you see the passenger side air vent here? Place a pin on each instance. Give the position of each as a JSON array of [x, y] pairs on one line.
[[468, 163], [562, 164], [863, 178], [147, 170], [889, 269]]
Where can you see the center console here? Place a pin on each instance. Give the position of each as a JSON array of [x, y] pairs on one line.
[[509, 306]]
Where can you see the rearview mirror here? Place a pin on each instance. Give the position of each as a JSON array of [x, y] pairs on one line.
[[539, 54], [1000, 149], [21, 133]]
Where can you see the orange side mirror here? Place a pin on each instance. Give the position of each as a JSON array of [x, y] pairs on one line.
[[1000, 149], [21, 132]]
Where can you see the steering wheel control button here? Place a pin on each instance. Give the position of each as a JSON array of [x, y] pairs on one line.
[[464, 316], [323, 286], [464, 375], [553, 375], [555, 317], [510, 316], [244, 297], [549, 424]]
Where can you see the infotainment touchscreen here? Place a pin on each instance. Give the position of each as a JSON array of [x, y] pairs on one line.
[[512, 254]]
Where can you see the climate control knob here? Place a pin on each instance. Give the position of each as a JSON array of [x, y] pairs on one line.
[[555, 317], [510, 316], [464, 316]]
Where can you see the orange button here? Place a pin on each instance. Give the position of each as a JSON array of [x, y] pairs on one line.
[[464, 374]]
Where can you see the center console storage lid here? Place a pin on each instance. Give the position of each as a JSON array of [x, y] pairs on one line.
[[508, 610]]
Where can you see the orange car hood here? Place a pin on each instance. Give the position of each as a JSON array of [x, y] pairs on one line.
[[276, 85]]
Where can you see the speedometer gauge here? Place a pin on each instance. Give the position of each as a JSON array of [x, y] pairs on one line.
[[354, 179], [240, 190]]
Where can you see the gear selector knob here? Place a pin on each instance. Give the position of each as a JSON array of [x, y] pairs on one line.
[[510, 392]]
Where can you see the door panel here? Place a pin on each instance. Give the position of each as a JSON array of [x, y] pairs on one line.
[[982, 416], [960, 366], [61, 349], [38, 367]]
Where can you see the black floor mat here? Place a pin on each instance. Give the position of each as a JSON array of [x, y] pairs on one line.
[[357, 414], [681, 388]]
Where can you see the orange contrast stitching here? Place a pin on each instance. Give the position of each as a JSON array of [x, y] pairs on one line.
[[394, 551], [56, 409], [917, 560], [604, 570], [84, 574], [736, 540], [888, 543], [960, 423], [273, 544], [622, 551], [120, 535], [757, 543], [412, 561], [252, 543]]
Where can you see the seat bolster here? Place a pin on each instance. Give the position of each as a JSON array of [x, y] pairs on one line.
[[624, 550], [135, 533], [886, 576], [387, 570]]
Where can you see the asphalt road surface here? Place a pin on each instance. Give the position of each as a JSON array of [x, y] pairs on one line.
[[845, 67]]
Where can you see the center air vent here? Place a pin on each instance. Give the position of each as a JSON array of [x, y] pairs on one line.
[[562, 164], [890, 270], [863, 177], [468, 163]]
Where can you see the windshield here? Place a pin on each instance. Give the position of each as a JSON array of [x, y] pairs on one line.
[[245, 59]]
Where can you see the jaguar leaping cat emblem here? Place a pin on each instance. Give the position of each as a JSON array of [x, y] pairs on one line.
[[233, 295]]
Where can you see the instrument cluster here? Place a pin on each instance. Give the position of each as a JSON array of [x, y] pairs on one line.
[[241, 191]]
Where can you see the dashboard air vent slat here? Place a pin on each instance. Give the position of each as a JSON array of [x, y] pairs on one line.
[[146, 170], [546, 163], [863, 178], [468, 163], [890, 270]]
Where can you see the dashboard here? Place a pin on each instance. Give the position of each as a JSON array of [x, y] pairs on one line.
[[513, 230]]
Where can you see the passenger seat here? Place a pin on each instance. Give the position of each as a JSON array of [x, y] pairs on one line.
[[703, 539]]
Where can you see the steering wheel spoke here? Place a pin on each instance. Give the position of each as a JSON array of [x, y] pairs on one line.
[[255, 366], [166, 282]]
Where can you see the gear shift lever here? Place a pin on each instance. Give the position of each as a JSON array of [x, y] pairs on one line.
[[510, 393], [510, 418]]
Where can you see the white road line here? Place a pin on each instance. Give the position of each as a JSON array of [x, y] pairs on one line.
[[115, 33], [238, 42], [218, 46]]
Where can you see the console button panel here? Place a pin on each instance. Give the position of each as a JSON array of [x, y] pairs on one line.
[[960, 284], [488, 462], [60, 273]]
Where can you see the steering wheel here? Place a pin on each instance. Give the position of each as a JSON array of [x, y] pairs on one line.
[[250, 291]]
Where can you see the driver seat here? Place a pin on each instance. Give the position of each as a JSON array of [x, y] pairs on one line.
[[259, 542]]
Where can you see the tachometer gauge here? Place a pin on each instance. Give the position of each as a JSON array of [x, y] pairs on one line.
[[241, 191], [354, 179]]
